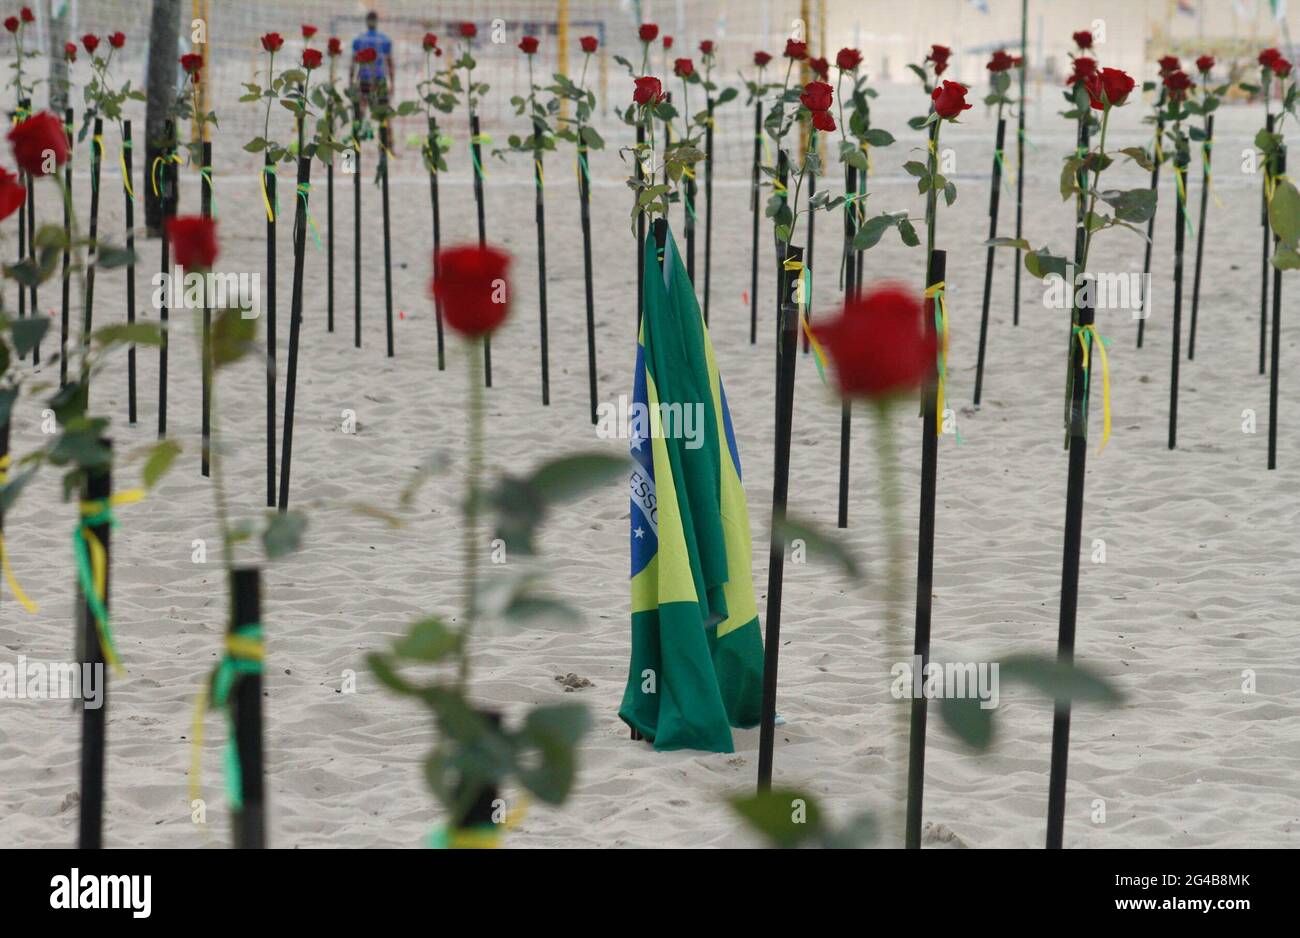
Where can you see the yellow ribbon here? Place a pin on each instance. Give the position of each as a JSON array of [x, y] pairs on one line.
[[936, 292], [126, 177], [5, 462], [481, 837], [1091, 330], [239, 647], [99, 564], [266, 199], [153, 169]]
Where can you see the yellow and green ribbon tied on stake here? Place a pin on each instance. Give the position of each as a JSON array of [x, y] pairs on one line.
[[92, 565], [1098, 343], [482, 140], [205, 173], [271, 211], [159, 162], [244, 654], [303, 189], [5, 462], [937, 293], [804, 298], [126, 177], [480, 836], [1180, 183]]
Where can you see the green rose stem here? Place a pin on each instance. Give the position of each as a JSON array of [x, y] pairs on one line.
[[539, 213], [1207, 148], [470, 513], [996, 190], [476, 154], [851, 274], [1151, 223]]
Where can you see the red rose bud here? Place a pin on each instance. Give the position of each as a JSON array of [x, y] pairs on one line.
[[429, 43], [1178, 83], [308, 30], [272, 42], [939, 55], [761, 59], [822, 120], [1268, 57], [27, 15], [335, 46], [468, 30], [528, 45], [366, 56], [668, 43], [820, 67], [70, 51], [1169, 63], [949, 100], [1000, 61], [817, 96], [117, 40], [34, 139], [848, 59], [91, 42], [192, 62], [648, 32], [589, 44], [311, 58], [12, 24], [12, 193], [1204, 64], [683, 68], [1109, 88], [706, 47], [879, 344], [1084, 68], [648, 90], [193, 240], [796, 50], [1281, 68], [472, 289], [1083, 39]]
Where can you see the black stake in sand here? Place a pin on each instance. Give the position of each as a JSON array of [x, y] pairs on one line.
[[988, 263], [1077, 445], [812, 223], [1020, 153], [690, 225], [1151, 224], [300, 220], [1264, 264], [65, 313], [96, 487], [640, 233], [205, 369], [130, 266], [1180, 238], [170, 185], [476, 152], [437, 235], [96, 158], [788, 353], [356, 225], [31, 250], [1206, 156], [540, 214], [268, 169], [329, 244], [850, 290], [708, 207], [388, 239], [14, 118], [1277, 340], [924, 567], [584, 198], [245, 704], [755, 210]]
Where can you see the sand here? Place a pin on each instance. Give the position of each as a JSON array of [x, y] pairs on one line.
[[1199, 585]]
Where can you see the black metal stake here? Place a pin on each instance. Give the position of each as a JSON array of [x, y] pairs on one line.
[[812, 223], [1151, 226], [1206, 150], [1020, 153], [850, 290], [128, 162], [540, 214], [246, 717], [96, 158], [300, 219], [271, 218], [31, 250], [96, 487], [65, 314], [329, 245], [988, 263], [1180, 237], [482, 228], [205, 208], [437, 236], [754, 207], [1277, 342], [708, 209], [356, 226], [1264, 264], [640, 232], [388, 240], [584, 199]]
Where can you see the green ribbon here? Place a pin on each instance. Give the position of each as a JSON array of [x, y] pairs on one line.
[[232, 665], [997, 156], [585, 170], [205, 173], [473, 155], [303, 189], [102, 514]]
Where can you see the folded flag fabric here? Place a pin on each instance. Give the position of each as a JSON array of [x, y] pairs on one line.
[[697, 652]]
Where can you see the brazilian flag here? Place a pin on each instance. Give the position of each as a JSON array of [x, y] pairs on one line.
[[697, 653]]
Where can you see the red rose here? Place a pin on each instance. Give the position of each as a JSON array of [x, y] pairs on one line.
[[430, 42], [1268, 57], [848, 59], [1169, 63], [817, 96], [648, 32], [70, 51], [117, 40], [35, 137], [1084, 68], [1000, 61], [1177, 83], [761, 59], [272, 42], [472, 289], [706, 47], [796, 50], [683, 68], [822, 120], [950, 100], [1083, 39], [366, 56], [91, 42], [12, 193], [939, 55], [311, 58], [648, 90], [191, 62], [879, 344], [820, 67], [335, 46], [668, 43], [1281, 68], [1204, 64], [589, 44], [27, 15], [11, 24], [194, 240], [468, 30], [1109, 88], [308, 30], [528, 45]]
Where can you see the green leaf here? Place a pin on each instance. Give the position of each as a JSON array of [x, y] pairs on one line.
[[161, 457], [283, 534], [869, 235], [108, 256], [908, 233], [820, 544], [551, 731], [1284, 212], [28, 333], [1286, 259], [784, 816], [429, 640], [570, 477], [232, 337], [1139, 156], [388, 676], [1040, 264], [968, 721], [1020, 244], [1059, 680], [1131, 205], [878, 138], [916, 168], [137, 333]]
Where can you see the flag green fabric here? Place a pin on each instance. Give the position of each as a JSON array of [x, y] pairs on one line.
[[697, 652]]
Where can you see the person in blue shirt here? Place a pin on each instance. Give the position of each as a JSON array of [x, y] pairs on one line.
[[373, 80]]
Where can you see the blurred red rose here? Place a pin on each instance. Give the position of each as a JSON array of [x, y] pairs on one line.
[[272, 42], [1083, 39], [1110, 88], [683, 68], [1204, 64], [468, 30], [879, 344], [706, 47], [648, 90], [191, 62], [1000, 62], [848, 59], [27, 15], [12, 193], [366, 56], [817, 96], [1169, 63], [35, 137], [949, 100], [589, 44], [528, 45], [70, 51], [1178, 84], [471, 286], [91, 42], [761, 59], [648, 32], [820, 67], [939, 55], [311, 58], [193, 238], [308, 30], [335, 46], [117, 40], [796, 50]]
